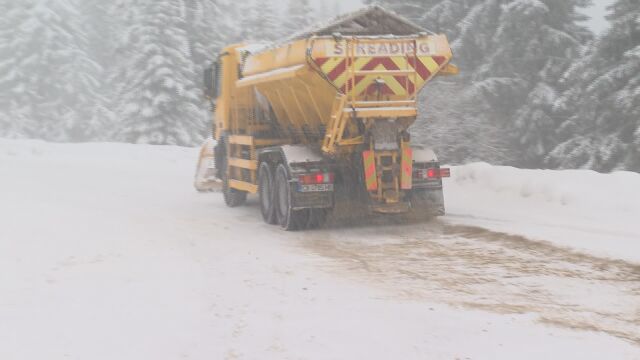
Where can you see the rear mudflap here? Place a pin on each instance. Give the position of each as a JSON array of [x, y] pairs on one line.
[[428, 201]]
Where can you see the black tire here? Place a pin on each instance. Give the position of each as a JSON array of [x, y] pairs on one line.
[[288, 218], [266, 190], [232, 197]]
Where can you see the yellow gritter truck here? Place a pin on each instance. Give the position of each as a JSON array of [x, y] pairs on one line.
[[324, 117]]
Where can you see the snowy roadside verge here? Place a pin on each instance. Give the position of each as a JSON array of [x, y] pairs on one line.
[[581, 209]]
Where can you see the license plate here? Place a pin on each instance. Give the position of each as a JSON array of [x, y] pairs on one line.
[[315, 188]]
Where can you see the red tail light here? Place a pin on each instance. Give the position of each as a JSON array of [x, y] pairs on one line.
[[433, 173], [316, 178]]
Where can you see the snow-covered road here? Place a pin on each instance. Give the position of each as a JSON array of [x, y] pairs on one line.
[[106, 252]]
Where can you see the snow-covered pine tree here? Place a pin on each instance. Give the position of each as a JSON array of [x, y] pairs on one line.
[[562, 40], [124, 14], [49, 83], [446, 16], [269, 24], [245, 15], [474, 33], [207, 28], [299, 16], [535, 42], [452, 124], [602, 127], [12, 123], [99, 22], [438, 16], [160, 102], [260, 22]]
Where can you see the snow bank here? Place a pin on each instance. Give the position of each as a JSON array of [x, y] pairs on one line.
[[577, 189], [582, 209]]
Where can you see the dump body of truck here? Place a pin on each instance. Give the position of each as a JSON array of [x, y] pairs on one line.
[[324, 117]]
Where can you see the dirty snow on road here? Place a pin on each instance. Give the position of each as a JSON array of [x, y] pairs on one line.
[[106, 252], [479, 269]]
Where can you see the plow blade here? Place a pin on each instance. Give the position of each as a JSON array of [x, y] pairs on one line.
[[206, 179]]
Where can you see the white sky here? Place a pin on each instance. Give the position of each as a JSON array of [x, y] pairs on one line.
[[347, 4], [596, 12]]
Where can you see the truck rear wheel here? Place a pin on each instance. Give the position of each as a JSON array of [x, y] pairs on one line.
[[266, 191], [288, 218]]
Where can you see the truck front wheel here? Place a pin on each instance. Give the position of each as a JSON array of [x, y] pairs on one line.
[[232, 197]]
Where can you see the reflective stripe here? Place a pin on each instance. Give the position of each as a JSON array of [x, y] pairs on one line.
[[407, 169], [370, 176], [336, 69]]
